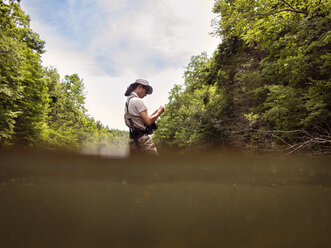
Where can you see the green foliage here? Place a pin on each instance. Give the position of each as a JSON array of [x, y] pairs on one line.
[[193, 117], [69, 125], [284, 107], [10, 88], [271, 73], [36, 107], [22, 90]]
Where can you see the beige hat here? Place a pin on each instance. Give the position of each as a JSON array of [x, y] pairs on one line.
[[145, 83]]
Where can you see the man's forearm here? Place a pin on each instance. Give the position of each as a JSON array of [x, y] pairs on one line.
[[149, 119], [154, 116]]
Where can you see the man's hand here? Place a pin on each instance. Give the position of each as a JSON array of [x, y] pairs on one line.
[[152, 118], [161, 109]]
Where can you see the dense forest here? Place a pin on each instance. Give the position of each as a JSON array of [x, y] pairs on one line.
[[265, 88], [37, 108]]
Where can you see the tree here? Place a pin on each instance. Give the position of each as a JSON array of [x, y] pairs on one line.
[[22, 90], [36, 106], [270, 75], [296, 40]]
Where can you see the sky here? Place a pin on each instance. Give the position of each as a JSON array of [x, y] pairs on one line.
[[111, 43]]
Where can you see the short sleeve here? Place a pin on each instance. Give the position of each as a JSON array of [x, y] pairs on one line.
[[138, 106]]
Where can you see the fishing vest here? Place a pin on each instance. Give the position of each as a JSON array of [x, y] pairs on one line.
[[136, 119]]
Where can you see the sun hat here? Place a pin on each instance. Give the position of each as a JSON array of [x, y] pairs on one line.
[[149, 89]]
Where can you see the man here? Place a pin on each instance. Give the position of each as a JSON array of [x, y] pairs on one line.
[[141, 124]]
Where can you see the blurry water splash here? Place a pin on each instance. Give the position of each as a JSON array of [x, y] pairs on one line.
[[108, 151]]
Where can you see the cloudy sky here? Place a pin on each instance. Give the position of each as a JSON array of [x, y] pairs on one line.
[[110, 43]]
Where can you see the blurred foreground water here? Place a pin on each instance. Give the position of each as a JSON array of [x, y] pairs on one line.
[[198, 200]]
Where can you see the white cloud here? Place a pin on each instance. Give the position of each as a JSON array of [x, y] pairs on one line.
[[155, 36]]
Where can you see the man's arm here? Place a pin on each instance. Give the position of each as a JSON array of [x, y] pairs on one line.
[[152, 118]]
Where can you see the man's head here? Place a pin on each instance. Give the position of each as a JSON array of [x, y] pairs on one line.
[[141, 87], [145, 85]]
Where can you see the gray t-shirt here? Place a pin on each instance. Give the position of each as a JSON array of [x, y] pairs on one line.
[[135, 107]]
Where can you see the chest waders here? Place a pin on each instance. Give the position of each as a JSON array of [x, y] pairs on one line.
[[135, 132], [132, 131]]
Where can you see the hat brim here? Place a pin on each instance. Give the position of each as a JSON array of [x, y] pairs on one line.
[[149, 89]]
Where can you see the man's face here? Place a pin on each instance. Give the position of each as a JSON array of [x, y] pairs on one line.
[[142, 91]]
